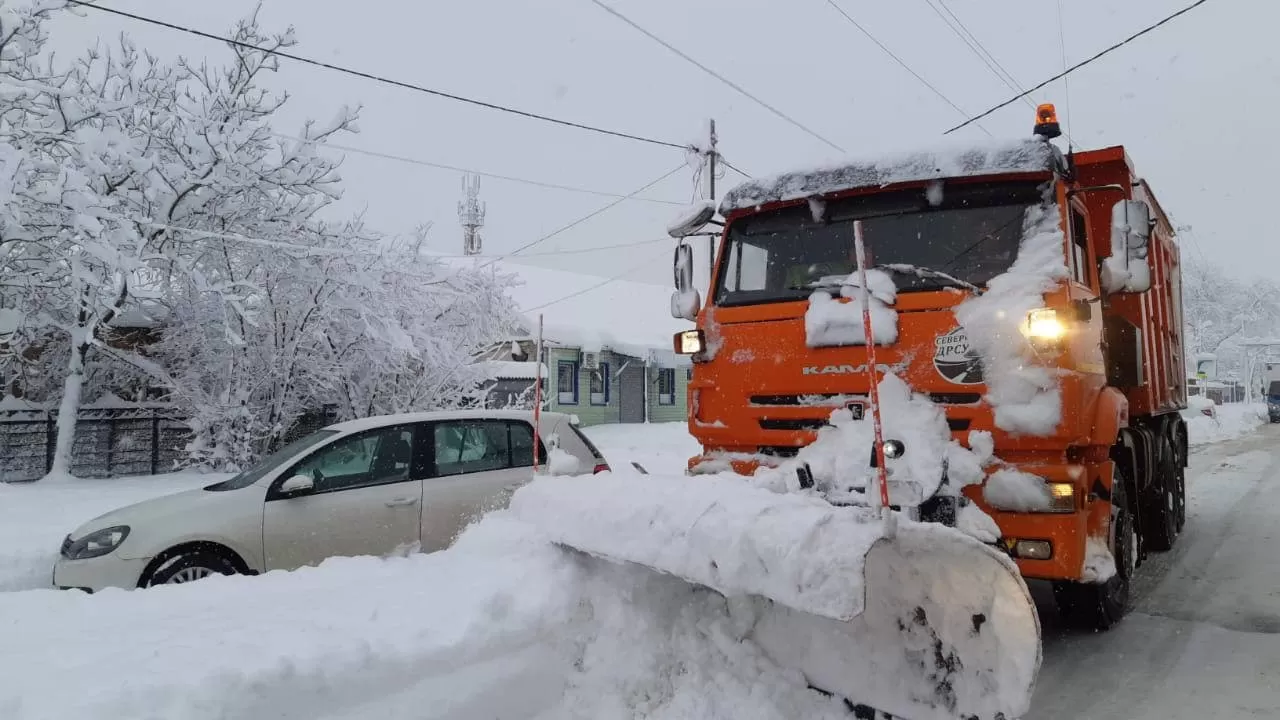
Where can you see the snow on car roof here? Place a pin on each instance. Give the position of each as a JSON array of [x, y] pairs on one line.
[[1022, 155], [378, 421]]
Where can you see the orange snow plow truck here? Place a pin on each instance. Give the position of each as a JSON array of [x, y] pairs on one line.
[[1032, 296]]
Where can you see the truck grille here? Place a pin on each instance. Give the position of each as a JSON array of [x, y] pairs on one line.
[[833, 399], [792, 423]]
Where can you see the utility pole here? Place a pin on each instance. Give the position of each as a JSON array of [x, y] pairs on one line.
[[711, 239]]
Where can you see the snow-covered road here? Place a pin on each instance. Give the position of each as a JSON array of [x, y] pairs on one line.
[[365, 637], [1204, 640]]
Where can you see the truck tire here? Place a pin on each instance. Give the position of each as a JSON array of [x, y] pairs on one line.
[[1099, 606], [1181, 499], [1160, 503]]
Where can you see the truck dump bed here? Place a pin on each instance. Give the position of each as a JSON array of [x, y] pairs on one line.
[[1153, 320]]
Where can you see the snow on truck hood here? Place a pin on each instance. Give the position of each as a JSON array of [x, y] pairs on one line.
[[1022, 155]]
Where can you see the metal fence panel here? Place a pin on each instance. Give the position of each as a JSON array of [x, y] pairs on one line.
[[110, 442]]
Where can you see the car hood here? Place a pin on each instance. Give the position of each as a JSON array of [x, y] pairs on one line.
[[189, 503]]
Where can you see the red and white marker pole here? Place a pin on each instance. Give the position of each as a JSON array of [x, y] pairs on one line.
[[864, 294], [537, 398]]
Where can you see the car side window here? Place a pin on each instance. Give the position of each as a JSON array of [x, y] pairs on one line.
[[521, 438], [468, 446], [377, 457]]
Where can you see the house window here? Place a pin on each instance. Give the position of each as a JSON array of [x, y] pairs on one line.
[[666, 386], [688, 374], [600, 385], [567, 382]]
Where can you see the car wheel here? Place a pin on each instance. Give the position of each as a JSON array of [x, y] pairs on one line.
[[191, 566]]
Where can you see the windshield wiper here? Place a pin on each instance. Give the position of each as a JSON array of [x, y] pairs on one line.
[[836, 281], [923, 272]]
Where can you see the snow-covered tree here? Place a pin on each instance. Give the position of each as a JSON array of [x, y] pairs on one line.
[[1220, 311], [126, 182]]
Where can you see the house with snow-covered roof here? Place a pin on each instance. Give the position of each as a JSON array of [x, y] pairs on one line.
[[607, 348]]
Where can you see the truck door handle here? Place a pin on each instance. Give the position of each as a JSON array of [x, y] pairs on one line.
[[401, 502]]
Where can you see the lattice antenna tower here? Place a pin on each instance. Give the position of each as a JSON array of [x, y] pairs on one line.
[[471, 215]]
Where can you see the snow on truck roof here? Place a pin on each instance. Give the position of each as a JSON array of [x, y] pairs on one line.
[[1023, 155]]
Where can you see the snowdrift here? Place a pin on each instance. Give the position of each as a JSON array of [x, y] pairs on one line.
[[507, 625]]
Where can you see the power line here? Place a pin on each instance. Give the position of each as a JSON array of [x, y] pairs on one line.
[[323, 143], [1078, 65], [729, 165], [496, 176], [588, 216], [1066, 83], [573, 251], [377, 78], [588, 289], [974, 44], [900, 61], [716, 75]]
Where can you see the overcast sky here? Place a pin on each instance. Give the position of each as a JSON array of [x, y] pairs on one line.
[[1193, 102]]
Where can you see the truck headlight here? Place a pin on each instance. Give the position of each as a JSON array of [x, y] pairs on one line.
[[1062, 497], [1045, 325], [96, 544], [690, 342]]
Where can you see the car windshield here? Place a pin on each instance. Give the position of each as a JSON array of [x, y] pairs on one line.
[[272, 461], [1274, 389], [966, 238]]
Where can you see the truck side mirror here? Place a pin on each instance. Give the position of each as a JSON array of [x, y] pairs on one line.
[[692, 220], [1128, 270], [686, 300]]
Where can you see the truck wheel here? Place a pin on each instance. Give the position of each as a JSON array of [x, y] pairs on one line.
[[1098, 606], [1181, 500], [1160, 502]]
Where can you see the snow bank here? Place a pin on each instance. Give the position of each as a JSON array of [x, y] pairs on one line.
[[35, 517], [1017, 491], [831, 323], [1024, 395], [1231, 421], [1023, 155]]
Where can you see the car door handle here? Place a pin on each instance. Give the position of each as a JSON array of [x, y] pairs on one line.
[[401, 502]]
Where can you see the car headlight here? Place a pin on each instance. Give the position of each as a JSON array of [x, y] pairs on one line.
[[95, 544]]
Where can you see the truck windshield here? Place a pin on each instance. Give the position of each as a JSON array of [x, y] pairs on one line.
[[968, 237]]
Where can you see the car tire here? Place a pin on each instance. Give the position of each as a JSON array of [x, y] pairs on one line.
[[190, 566]]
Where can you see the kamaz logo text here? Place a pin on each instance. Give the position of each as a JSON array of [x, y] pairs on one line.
[[829, 370]]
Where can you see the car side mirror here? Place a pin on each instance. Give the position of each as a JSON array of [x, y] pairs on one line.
[[298, 485], [1128, 270]]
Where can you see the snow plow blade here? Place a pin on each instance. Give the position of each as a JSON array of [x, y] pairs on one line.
[[929, 624]]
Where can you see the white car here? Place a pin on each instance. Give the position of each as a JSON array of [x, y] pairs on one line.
[[364, 487]]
